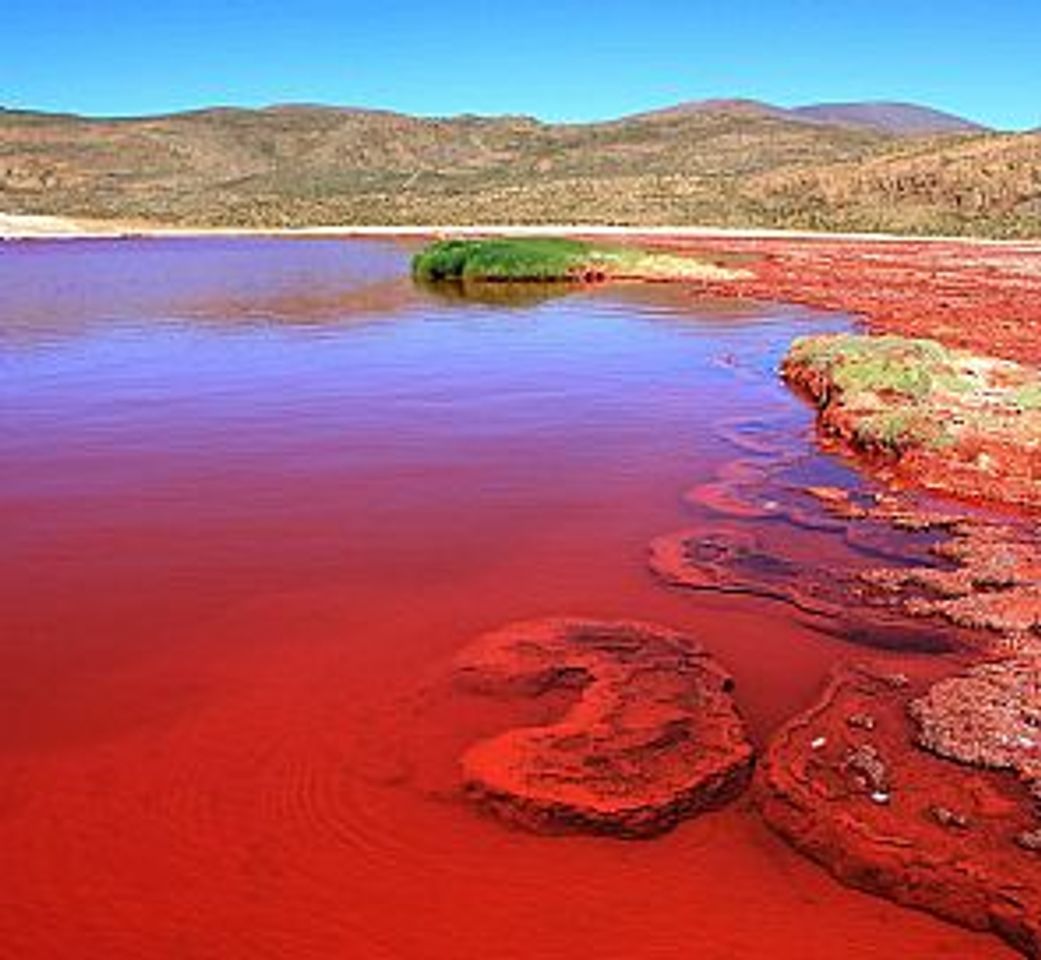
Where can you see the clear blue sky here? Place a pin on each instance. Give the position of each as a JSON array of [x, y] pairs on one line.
[[559, 60]]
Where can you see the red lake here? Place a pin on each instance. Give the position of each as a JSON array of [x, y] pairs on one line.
[[255, 496]]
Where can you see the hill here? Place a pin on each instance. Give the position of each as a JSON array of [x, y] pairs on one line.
[[727, 163], [905, 119], [900, 118], [989, 185]]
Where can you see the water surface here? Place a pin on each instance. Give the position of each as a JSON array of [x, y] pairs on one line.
[[254, 496]]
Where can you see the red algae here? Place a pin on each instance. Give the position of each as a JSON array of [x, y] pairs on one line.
[[844, 783], [652, 739]]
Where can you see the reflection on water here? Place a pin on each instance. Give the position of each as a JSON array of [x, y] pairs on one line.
[[253, 493], [55, 289], [513, 294]]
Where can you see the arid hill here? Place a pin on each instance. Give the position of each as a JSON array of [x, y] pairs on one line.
[[726, 163], [881, 116], [903, 118]]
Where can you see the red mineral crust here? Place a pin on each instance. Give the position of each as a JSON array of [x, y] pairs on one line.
[[984, 297], [990, 716], [846, 783], [652, 737], [739, 561], [993, 582]]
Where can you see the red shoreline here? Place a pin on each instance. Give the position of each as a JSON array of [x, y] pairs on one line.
[[979, 296]]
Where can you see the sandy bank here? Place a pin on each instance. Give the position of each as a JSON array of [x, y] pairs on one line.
[[23, 226]]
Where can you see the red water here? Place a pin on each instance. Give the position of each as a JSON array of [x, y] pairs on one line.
[[254, 496]]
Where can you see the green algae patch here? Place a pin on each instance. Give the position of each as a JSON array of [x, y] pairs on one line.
[[554, 259], [949, 419]]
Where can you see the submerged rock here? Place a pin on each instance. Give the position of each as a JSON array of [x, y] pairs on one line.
[[653, 736], [736, 561], [731, 560]]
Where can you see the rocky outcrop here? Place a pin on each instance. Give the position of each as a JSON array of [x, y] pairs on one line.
[[990, 580], [652, 737], [945, 419], [990, 717], [847, 784]]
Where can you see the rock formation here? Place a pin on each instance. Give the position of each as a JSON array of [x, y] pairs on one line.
[[652, 737], [848, 784]]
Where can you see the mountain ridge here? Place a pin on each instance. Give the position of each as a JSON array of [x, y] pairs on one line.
[[911, 119], [870, 113], [737, 163], [892, 116]]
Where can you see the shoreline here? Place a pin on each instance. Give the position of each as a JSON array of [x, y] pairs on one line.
[[16, 227]]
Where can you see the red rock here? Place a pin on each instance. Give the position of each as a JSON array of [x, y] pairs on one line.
[[653, 736], [728, 560], [884, 815], [992, 581]]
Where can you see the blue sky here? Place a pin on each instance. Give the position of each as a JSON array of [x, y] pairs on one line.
[[561, 60]]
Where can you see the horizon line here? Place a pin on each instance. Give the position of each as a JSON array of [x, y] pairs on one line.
[[722, 101]]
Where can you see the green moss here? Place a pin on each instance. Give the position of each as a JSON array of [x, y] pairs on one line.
[[890, 429], [901, 428], [1028, 397], [900, 392], [911, 368], [534, 258]]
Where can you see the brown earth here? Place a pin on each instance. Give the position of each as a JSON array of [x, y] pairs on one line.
[[720, 163]]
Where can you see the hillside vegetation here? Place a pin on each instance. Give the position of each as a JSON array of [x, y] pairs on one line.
[[727, 163]]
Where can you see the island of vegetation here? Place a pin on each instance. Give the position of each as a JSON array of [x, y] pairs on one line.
[[555, 259]]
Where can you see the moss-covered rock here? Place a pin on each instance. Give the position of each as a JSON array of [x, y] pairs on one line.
[[953, 420]]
